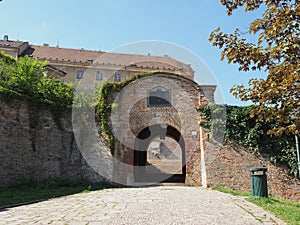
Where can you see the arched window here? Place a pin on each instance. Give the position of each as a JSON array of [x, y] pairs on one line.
[[159, 96]]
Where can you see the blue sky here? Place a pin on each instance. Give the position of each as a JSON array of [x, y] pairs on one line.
[[107, 24]]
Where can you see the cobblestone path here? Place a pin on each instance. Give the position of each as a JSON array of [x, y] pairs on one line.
[[151, 205]]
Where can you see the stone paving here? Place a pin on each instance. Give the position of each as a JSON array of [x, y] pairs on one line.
[[148, 205]]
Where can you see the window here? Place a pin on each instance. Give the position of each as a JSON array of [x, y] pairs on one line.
[[79, 74], [99, 76], [159, 96], [117, 77]]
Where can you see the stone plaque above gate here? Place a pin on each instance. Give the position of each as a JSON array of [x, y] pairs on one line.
[[159, 96]]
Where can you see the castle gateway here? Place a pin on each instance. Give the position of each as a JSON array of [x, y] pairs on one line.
[[156, 129]]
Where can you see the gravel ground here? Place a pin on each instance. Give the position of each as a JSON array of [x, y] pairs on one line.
[[148, 205]]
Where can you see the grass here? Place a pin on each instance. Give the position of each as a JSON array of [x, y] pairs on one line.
[[232, 192], [286, 210], [27, 191]]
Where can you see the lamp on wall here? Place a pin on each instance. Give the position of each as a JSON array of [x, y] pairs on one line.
[[163, 131]]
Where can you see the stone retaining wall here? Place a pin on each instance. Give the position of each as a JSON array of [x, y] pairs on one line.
[[34, 145]]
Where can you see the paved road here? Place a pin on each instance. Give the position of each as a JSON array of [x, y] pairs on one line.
[[151, 205]]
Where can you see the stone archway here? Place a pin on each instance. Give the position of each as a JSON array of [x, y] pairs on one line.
[[148, 103], [168, 168]]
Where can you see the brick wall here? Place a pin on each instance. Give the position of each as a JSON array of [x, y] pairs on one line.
[[33, 146], [133, 115], [229, 166]]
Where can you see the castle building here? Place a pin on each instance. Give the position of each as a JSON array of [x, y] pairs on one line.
[[71, 65]]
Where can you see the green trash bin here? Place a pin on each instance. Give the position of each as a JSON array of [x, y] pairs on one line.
[[259, 186]]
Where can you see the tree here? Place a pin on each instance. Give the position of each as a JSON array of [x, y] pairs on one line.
[[276, 51], [25, 77]]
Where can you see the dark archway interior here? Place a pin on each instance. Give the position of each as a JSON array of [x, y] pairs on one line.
[[142, 142]]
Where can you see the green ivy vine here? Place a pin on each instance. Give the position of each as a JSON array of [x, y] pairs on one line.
[[252, 133], [105, 100]]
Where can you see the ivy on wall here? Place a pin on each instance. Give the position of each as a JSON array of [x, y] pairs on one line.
[[252, 133], [105, 102]]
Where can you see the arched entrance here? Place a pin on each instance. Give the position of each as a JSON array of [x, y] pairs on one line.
[[154, 116], [159, 155]]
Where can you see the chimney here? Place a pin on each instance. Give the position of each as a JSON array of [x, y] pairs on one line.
[[5, 38]]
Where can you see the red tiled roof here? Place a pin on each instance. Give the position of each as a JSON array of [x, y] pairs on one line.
[[12, 44], [66, 54], [78, 55]]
